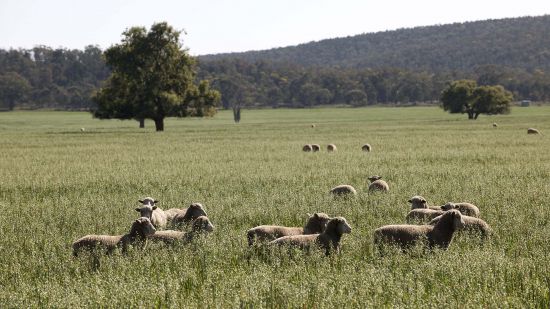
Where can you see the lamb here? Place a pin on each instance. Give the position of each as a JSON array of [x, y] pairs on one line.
[[377, 184], [315, 224], [471, 224], [405, 236], [151, 211], [495, 125], [307, 148], [532, 131], [466, 209], [331, 147], [329, 240], [315, 147], [141, 228], [341, 190], [418, 201], [423, 215], [366, 148], [194, 211], [201, 226]]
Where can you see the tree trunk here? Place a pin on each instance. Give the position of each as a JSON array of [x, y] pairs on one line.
[[141, 123], [159, 124]]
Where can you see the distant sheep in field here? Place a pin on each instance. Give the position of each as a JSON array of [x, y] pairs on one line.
[[313, 125], [331, 147], [532, 131], [201, 226], [315, 147], [405, 236], [315, 224], [194, 211], [495, 125], [366, 148], [466, 209], [329, 240], [307, 148], [342, 190], [471, 224], [150, 210], [377, 184], [141, 228]]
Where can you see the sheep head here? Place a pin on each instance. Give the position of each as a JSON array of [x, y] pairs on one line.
[[374, 178], [202, 224], [148, 201], [146, 210], [449, 206], [316, 223], [340, 225], [418, 201], [144, 226]]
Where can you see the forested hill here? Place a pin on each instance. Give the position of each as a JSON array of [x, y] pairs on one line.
[[514, 42]]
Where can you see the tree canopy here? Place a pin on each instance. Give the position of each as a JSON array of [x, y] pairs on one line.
[[152, 77], [465, 96]]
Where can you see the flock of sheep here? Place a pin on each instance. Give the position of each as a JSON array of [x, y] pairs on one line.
[[437, 228]]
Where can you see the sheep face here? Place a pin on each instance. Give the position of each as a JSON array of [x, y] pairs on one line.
[[340, 224], [458, 221], [202, 224], [316, 223], [418, 201], [374, 178], [194, 211], [146, 211], [146, 226], [448, 206], [148, 201]]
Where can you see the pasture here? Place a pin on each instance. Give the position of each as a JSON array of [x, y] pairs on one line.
[[59, 183]]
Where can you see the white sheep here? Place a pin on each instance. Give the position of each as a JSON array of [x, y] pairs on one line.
[[467, 209], [331, 148], [405, 236], [418, 201], [495, 125], [471, 224], [377, 184], [200, 226], [315, 224], [307, 148], [366, 148], [423, 215], [140, 229], [315, 147], [151, 211], [532, 131], [341, 190], [192, 212]]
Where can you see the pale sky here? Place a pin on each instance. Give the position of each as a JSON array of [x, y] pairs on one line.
[[216, 26]]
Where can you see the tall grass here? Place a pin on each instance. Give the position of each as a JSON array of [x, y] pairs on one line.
[[60, 183]]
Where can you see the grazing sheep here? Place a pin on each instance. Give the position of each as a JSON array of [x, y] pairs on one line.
[[194, 211], [329, 240], [466, 209], [201, 225], [315, 147], [141, 228], [341, 190], [437, 235], [495, 125], [423, 215], [331, 147], [151, 211], [377, 184], [307, 148], [418, 201], [366, 148], [313, 125], [315, 224], [532, 131], [82, 129], [471, 224]]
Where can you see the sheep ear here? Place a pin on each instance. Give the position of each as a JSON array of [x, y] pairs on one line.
[[154, 207], [141, 201], [316, 216], [138, 209], [308, 214], [410, 201], [457, 207], [156, 201]]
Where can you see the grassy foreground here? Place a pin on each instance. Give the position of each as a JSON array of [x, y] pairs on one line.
[[59, 184]]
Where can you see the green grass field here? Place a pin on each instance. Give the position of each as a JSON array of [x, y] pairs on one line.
[[60, 183]]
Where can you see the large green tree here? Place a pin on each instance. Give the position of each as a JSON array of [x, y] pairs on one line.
[[13, 89], [465, 96], [152, 77]]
